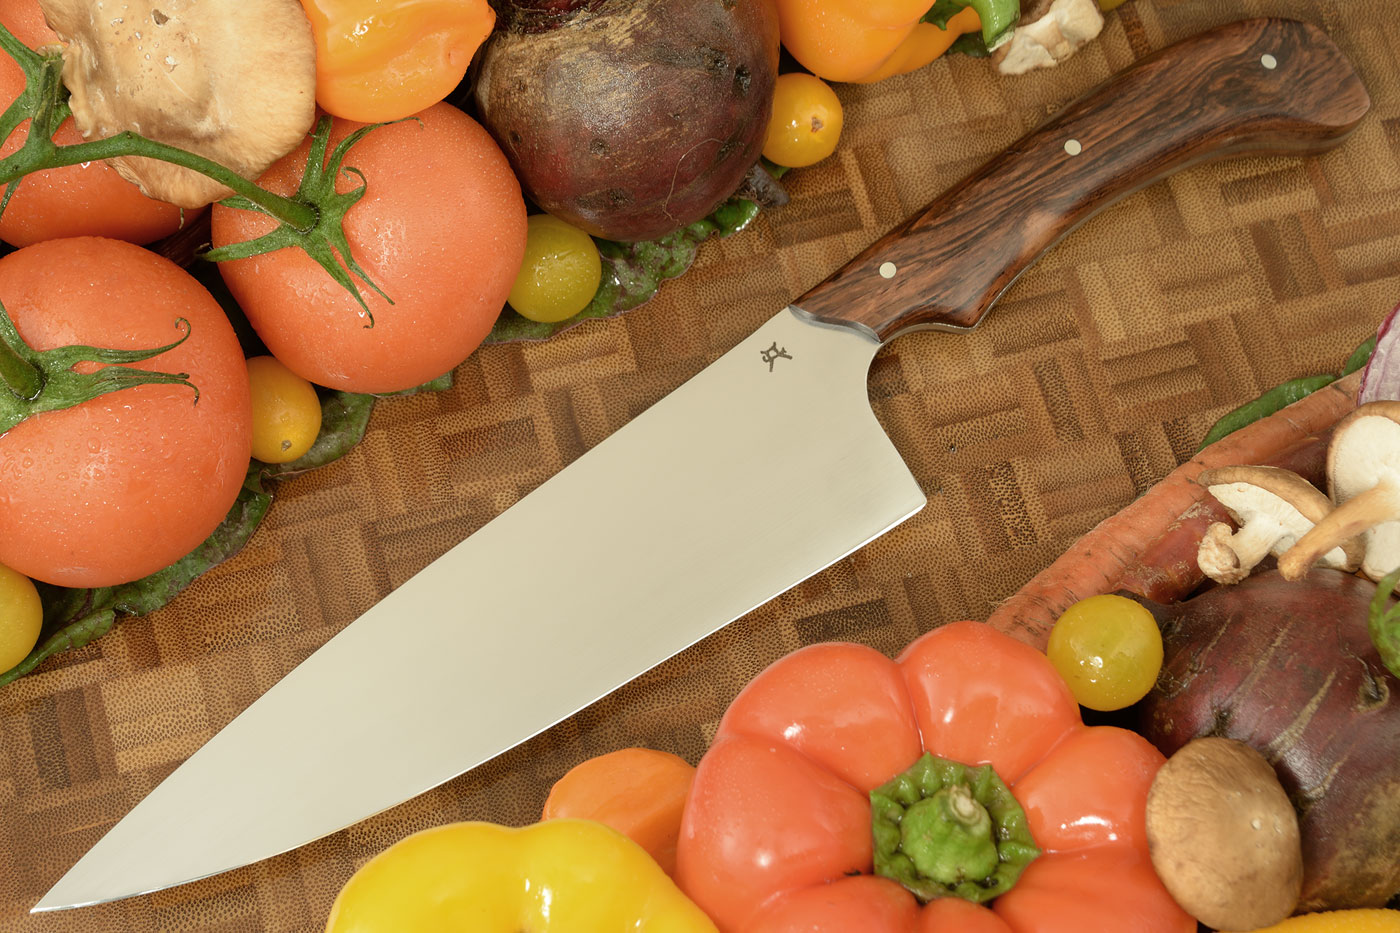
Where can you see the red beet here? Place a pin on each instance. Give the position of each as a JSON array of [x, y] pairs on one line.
[[630, 118], [1289, 669]]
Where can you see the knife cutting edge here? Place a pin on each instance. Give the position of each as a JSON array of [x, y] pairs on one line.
[[762, 470]]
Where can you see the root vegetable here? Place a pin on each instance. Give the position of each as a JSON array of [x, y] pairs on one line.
[[630, 118], [1289, 668]]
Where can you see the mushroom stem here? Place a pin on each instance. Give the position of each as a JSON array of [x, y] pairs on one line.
[[299, 216], [1380, 503], [1237, 554]]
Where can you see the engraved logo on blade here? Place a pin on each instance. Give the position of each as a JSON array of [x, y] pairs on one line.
[[773, 353]]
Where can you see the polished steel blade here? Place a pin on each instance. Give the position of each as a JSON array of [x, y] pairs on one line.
[[763, 469]]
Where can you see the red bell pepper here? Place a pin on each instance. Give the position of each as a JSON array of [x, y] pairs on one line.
[[777, 832]]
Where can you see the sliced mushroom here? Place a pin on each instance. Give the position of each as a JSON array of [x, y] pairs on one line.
[[234, 82], [1049, 33], [1274, 509], [1363, 477]]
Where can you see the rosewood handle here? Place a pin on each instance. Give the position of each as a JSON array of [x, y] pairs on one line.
[[1263, 86]]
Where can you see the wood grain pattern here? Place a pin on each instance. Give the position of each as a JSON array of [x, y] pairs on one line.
[[1102, 368], [1257, 87]]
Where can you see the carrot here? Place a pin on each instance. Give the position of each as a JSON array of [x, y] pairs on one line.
[[1142, 544], [639, 792]]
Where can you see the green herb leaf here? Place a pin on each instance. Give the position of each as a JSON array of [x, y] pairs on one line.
[[1280, 396], [942, 11], [1360, 356]]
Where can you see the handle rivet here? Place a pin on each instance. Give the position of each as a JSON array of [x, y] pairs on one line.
[[1072, 147], [1268, 61], [887, 270]]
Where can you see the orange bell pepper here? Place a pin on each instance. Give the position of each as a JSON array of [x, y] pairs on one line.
[[640, 792], [861, 41], [380, 60], [782, 829]]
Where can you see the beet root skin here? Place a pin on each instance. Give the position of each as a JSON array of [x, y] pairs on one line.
[[1289, 669], [631, 118]]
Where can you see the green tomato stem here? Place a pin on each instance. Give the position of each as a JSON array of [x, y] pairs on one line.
[[49, 380], [299, 216], [943, 829], [24, 380]]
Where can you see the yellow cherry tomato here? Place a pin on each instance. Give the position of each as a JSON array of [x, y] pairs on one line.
[[21, 615], [806, 122], [1108, 649], [557, 875], [379, 60], [286, 411], [560, 273]]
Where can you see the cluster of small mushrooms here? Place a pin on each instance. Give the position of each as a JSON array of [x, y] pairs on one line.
[[1355, 525]]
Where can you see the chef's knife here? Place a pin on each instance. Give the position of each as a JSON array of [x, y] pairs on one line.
[[760, 471]]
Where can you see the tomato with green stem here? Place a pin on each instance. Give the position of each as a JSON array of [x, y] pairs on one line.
[[109, 473], [440, 229], [88, 199]]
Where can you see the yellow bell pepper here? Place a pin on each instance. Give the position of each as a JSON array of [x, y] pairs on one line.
[[379, 60], [560, 875], [868, 40]]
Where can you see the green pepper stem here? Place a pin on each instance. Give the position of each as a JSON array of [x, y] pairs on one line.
[[943, 829], [949, 837], [299, 216]]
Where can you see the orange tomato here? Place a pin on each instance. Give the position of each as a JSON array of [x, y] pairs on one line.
[[125, 484], [441, 229], [77, 200], [806, 122], [640, 792], [386, 59]]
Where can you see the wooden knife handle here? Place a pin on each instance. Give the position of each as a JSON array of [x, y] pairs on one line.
[[1263, 86]]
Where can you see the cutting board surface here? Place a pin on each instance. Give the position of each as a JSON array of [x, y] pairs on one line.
[[1096, 374]]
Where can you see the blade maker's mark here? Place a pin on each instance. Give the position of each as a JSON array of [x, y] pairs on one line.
[[773, 353]]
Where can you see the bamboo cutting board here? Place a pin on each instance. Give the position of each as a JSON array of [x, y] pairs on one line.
[[1097, 373]]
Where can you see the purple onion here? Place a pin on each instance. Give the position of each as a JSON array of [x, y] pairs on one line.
[[1380, 379]]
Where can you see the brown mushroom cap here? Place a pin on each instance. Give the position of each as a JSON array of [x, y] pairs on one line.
[[1274, 508], [233, 81], [1223, 835], [1363, 477]]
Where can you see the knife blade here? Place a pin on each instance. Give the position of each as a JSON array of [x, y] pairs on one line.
[[762, 470]]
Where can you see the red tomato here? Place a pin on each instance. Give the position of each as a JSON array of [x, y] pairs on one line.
[[76, 200], [125, 484], [441, 229]]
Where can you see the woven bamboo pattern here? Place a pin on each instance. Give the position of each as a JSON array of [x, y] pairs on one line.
[[1096, 374]]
